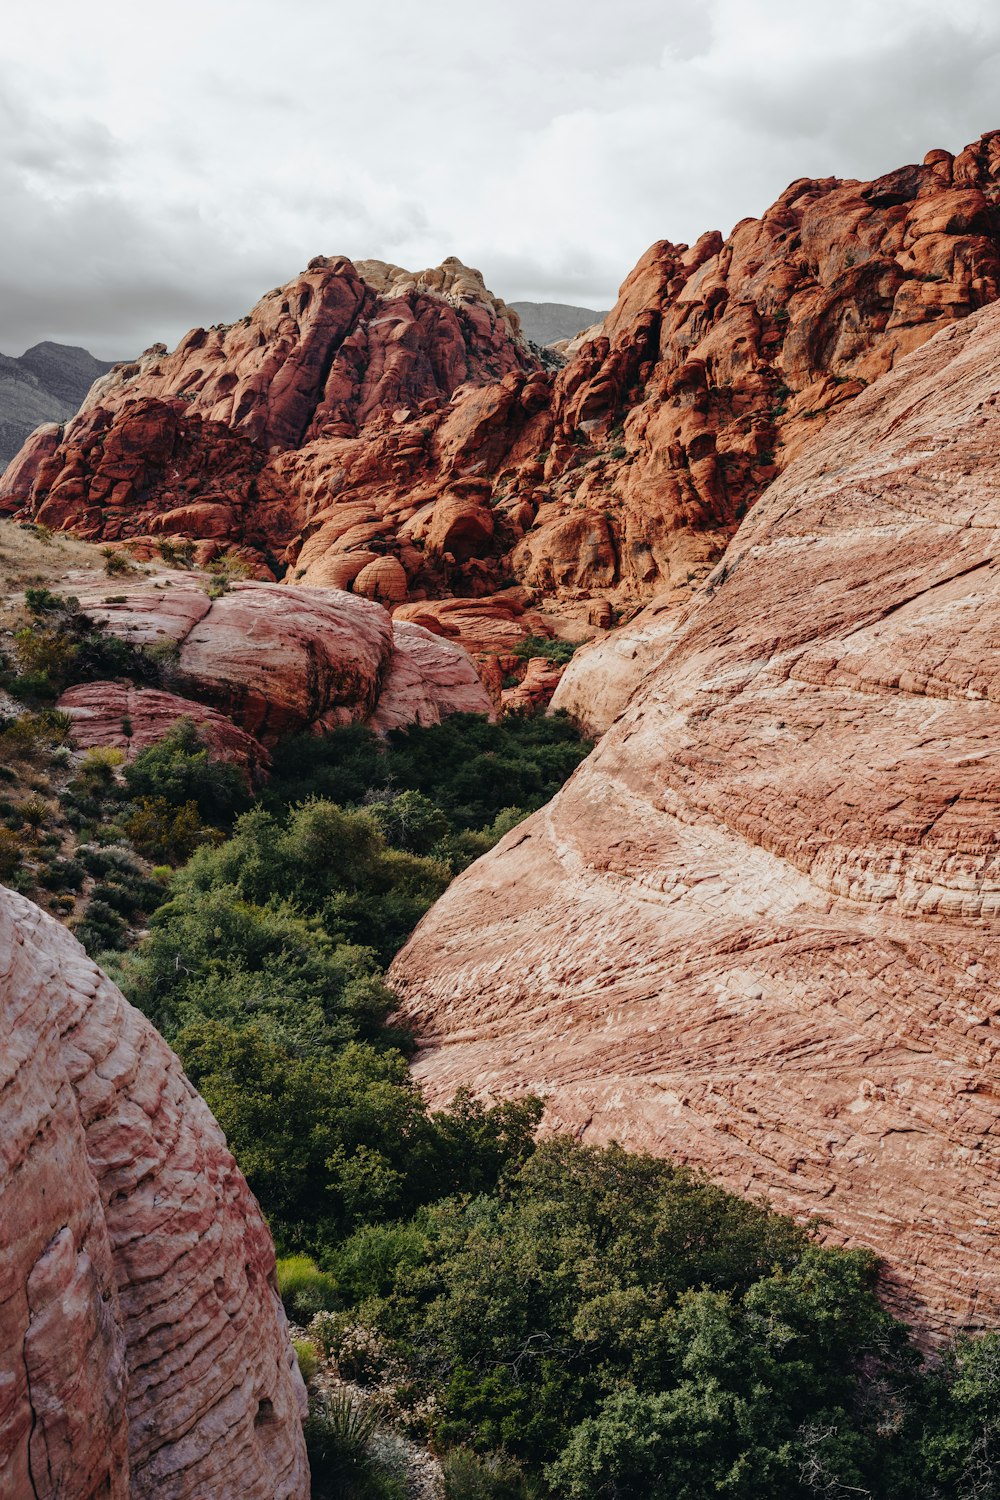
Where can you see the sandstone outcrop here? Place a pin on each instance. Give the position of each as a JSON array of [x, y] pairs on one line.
[[390, 433], [759, 929], [144, 1353], [601, 678], [131, 719], [273, 661], [427, 679]]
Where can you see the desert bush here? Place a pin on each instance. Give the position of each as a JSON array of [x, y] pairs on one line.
[[231, 568], [63, 645], [358, 1350], [11, 853], [304, 1288], [177, 552], [117, 564], [339, 1440], [470, 1476], [181, 770], [470, 769], [551, 649], [96, 772], [62, 875], [36, 811], [161, 830], [100, 928]]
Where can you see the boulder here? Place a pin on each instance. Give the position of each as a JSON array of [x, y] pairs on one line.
[[144, 1353], [261, 661], [428, 678]]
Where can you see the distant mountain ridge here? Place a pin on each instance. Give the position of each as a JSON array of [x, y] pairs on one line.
[[549, 322], [46, 384]]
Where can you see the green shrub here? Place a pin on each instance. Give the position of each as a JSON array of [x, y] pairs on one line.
[[117, 564], [41, 601], [305, 1289], [178, 552], [62, 875], [469, 1476], [339, 1437], [469, 768], [97, 768], [36, 811], [160, 829], [180, 770], [11, 853], [100, 928], [308, 1359], [62, 645], [552, 650]]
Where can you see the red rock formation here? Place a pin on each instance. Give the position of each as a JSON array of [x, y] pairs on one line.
[[143, 1347], [277, 660], [427, 679], [131, 719], [535, 688], [758, 929], [364, 410], [374, 430]]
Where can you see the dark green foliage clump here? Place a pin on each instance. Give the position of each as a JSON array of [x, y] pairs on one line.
[[181, 770], [471, 771], [550, 648], [606, 1324], [339, 1440], [561, 1322]]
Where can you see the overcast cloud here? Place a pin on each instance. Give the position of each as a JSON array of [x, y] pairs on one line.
[[163, 166]]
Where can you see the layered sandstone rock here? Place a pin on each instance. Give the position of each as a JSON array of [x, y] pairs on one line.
[[602, 677], [268, 661], [143, 1346], [373, 429], [131, 719], [427, 679], [759, 929]]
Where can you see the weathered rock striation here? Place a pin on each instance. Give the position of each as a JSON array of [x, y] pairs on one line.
[[387, 432], [144, 1353], [759, 929]]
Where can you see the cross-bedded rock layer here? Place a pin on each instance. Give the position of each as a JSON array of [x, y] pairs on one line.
[[759, 929], [144, 1353]]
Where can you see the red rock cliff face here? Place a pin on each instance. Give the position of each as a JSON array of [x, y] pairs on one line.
[[144, 1353], [759, 929], [389, 433]]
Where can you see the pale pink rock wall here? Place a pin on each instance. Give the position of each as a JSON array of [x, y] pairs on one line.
[[143, 1347]]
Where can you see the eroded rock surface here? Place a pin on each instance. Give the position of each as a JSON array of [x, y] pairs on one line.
[[272, 661], [389, 432], [759, 929], [144, 1353], [131, 719]]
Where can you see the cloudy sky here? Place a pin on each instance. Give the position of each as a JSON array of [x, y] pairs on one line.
[[162, 166]]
